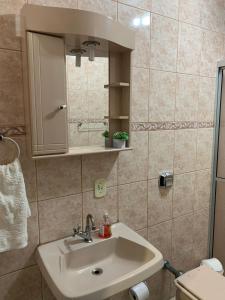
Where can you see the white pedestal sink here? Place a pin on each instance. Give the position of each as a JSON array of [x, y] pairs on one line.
[[74, 269]]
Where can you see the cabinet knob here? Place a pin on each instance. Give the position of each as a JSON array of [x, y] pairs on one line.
[[63, 106]]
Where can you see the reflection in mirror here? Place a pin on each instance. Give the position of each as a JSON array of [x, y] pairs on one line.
[[88, 101]]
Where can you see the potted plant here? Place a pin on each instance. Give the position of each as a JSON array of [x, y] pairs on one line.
[[106, 136], [119, 139]]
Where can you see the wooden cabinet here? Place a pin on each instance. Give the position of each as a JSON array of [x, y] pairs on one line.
[[46, 43], [48, 100]]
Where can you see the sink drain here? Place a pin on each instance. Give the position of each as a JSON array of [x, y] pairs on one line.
[[97, 271]]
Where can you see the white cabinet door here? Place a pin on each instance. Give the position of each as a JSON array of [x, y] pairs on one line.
[[48, 98]]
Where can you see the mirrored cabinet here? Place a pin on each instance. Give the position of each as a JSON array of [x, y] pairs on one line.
[[77, 81]]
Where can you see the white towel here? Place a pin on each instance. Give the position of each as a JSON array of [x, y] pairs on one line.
[[14, 207]]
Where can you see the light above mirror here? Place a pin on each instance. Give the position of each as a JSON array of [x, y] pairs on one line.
[[78, 53], [91, 45], [91, 51]]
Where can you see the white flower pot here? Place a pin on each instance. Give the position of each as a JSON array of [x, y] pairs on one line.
[[107, 143], [120, 144]]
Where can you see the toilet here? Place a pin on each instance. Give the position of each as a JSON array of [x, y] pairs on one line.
[[201, 283]]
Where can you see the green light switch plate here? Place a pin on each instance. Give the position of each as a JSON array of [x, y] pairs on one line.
[[100, 188]]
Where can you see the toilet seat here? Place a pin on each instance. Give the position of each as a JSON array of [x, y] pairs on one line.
[[201, 283]]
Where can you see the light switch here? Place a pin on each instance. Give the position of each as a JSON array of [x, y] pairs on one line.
[[100, 188]]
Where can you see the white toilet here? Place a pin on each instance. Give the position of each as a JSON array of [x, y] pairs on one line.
[[201, 283]]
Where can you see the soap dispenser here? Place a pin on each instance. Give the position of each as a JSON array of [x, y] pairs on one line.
[[105, 229]]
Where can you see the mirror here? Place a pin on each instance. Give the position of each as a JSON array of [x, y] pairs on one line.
[[88, 100]]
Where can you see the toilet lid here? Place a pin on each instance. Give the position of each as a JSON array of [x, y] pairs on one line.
[[203, 283]]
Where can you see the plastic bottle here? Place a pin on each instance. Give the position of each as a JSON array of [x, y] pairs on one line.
[[105, 229]]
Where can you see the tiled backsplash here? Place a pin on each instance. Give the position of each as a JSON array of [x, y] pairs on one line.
[[173, 85]]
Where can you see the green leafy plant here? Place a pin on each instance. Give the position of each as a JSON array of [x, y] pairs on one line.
[[105, 134], [121, 135]]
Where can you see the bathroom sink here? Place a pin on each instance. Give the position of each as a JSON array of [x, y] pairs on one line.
[[74, 269]]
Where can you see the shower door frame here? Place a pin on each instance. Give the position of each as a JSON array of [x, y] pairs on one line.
[[219, 81]]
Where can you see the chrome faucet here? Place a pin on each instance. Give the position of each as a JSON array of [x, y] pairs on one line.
[[86, 235]]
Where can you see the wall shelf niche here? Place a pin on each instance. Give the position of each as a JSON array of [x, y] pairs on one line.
[[117, 117], [117, 85]]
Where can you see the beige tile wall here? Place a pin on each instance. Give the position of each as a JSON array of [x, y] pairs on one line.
[[173, 79]]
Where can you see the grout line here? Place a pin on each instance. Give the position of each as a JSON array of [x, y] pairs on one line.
[[118, 198], [165, 221], [89, 191], [149, 75], [42, 286], [148, 161], [58, 197], [139, 229], [37, 202], [173, 72], [19, 270], [194, 199], [132, 182], [177, 217], [177, 56], [174, 149], [176, 72], [82, 193], [13, 50]]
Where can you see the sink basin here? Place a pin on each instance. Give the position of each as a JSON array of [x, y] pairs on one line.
[[74, 269]]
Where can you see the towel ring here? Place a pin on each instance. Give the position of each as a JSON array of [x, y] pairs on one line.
[[4, 138]]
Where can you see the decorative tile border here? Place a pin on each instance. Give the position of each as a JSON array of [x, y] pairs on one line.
[[12, 130], [153, 126], [206, 124], [135, 126]]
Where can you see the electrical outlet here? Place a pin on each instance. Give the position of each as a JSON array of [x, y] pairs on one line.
[[100, 188]]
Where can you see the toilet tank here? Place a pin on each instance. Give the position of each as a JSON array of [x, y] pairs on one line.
[[183, 294]]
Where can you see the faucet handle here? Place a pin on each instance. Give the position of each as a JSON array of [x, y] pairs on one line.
[[76, 230]]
